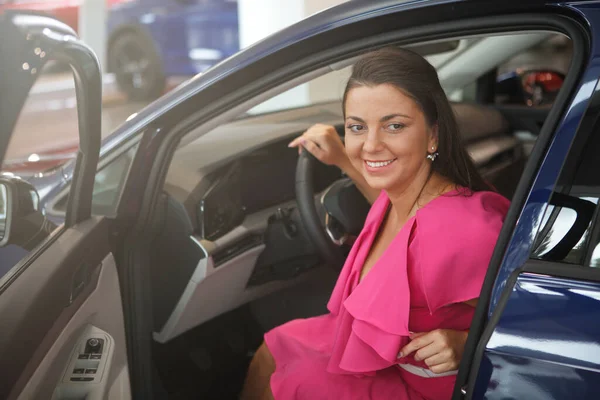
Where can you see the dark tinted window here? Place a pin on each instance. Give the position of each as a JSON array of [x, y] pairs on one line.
[[570, 229]]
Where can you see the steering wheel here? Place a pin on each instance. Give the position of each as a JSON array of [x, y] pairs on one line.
[[345, 210]]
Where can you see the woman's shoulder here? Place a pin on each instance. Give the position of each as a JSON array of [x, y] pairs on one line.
[[464, 207], [464, 217]]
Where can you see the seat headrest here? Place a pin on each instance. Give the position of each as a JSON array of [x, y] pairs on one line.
[[476, 122]]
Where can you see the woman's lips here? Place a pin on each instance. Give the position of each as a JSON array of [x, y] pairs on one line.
[[378, 166]]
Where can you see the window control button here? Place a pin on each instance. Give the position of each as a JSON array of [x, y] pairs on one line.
[[91, 371], [95, 356], [94, 346], [78, 370], [84, 356], [81, 379]]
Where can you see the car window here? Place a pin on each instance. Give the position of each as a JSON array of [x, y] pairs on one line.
[[45, 138], [108, 184], [532, 77], [570, 229], [531, 72], [330, 87]]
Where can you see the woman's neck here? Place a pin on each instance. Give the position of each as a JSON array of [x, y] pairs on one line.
[[405, 202]]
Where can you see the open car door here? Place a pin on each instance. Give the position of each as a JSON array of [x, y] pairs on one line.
[[63, 334]]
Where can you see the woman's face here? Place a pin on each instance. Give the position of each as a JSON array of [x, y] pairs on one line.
[[387, 137]]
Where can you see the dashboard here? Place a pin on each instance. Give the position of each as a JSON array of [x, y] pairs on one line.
[[257, 181]]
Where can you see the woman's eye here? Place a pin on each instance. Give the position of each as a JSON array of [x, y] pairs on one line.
[[355, 128], [395, 127]]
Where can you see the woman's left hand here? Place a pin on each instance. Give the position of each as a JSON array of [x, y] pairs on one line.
[[441, 349]]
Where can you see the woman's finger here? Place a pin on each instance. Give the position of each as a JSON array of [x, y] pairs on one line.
[[437, 358], [313, 148], [441, 368], [296, 142], [416, 344], [316, 139], [428, 351]]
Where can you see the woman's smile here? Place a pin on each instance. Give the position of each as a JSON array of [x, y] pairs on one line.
[[378, 166]]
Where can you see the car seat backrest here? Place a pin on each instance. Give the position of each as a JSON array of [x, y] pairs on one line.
[[477, 122], [496, 152]]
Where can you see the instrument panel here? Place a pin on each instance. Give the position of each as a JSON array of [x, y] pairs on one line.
[[221, 209], [259, 180]]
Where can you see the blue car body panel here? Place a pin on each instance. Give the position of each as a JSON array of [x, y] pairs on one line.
[[546, 344], [190, 36]]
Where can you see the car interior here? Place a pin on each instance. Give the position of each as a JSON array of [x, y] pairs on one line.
[[232, 257]]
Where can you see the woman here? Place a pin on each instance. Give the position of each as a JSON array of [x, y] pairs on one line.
[[403, 304]]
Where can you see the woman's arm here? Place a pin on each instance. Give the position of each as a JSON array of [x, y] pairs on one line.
[[325, 144]]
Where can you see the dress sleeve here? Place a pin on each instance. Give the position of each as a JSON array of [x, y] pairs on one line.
[[454, 242]]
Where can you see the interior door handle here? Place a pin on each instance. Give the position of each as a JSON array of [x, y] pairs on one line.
[[81, 278]]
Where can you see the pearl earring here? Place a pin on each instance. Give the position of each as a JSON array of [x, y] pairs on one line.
[[432, 156]]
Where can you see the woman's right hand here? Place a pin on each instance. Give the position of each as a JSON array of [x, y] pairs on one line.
[[325, 144]]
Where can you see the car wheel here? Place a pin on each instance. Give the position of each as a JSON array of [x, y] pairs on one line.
[[137, 66]]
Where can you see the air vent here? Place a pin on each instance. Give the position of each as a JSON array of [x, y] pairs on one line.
[[227, 253]]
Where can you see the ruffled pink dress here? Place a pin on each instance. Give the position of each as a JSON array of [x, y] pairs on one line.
[[437, 261]]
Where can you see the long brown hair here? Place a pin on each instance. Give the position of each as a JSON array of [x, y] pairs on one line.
[[414, 76]]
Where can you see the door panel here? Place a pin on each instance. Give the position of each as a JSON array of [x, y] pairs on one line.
[[66, 288], [54, 293], [544, 345], [100, 315]]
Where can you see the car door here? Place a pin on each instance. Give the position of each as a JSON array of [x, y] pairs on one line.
[[63, 331], [542, 338]]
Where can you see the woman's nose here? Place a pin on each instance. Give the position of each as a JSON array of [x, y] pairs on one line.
[[373, 143]]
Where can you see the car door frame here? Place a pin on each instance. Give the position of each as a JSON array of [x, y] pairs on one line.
[[243, 77], [512, 255], [45, 289]]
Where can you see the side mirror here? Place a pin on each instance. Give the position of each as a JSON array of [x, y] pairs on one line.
[[21, 221]]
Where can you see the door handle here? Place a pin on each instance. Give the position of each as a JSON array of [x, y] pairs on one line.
[[81, 278]]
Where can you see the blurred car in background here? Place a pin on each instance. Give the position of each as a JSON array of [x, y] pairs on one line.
[[151, 40], [66, 11], [531, 87]]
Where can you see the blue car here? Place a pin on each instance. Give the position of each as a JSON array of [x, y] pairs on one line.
[[153, 264], [151, 40]]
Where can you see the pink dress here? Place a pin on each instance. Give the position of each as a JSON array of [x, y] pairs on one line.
[[437, 261]]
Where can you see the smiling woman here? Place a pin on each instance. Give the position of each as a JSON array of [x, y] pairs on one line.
[[402, 307], [391, 80]]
